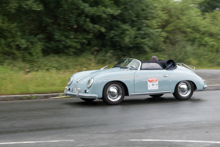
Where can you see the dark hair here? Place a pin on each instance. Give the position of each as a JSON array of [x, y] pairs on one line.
[[154, 58]]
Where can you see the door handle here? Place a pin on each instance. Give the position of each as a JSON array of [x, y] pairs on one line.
[[165, 75]]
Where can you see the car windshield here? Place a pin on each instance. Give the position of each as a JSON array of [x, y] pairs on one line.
[[128, 63]]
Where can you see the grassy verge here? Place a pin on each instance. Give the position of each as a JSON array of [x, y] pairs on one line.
[[18, 82], [50, 74]]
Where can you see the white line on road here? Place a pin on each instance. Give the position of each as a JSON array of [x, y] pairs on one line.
[[183, 141], [25, 142], [214, 85]]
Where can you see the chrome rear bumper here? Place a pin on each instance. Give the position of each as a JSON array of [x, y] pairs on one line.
[[205, 86]]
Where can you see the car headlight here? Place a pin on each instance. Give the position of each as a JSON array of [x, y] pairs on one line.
[[90, 82], [70, 81]]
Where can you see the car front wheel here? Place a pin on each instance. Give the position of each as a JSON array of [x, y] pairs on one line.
[[184, 90], [113, 93]]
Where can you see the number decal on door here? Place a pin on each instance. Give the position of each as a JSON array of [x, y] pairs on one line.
[[152, 84]]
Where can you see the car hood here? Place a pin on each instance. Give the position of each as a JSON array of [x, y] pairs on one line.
[[80, 76], [98, 72]]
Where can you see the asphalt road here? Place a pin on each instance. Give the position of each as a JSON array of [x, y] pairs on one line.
[[138, 121], [211, 76]]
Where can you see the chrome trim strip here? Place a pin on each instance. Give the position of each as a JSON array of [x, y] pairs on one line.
[[81, 78], [113, 79], [80, 95], [187, 66], [177, 75], [150, 93], [87, 96]]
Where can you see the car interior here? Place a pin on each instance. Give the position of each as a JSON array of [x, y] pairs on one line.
[[158, 65]]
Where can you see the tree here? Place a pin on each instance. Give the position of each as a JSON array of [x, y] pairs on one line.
[[19, 37], [32, 28], [209, 5]]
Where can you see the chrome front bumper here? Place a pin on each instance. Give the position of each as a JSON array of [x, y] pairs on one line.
[[77, 93]]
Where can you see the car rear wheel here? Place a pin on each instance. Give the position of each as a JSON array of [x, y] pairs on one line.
[[113, 93], [184, 90], [156, 96]]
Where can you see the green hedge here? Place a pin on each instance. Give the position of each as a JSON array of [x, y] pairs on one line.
[[33, 29]]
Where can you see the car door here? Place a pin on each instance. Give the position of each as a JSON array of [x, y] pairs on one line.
[[150, 80]]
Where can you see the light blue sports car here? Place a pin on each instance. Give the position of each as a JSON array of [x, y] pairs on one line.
[[130, 77]]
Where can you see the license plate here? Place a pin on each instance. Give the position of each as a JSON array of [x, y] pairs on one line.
[[75, 90]]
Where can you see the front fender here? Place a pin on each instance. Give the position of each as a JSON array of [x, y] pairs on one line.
[[125, 77], [81, 74]]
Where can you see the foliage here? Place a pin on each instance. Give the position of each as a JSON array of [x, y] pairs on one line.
[[31, 29], [209, 5], [184, 29], [13, 80], [59, 63], [45, 35], [51, 76], [17, 26]]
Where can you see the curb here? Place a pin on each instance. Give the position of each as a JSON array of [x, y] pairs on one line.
[[30, 96], [58, 95]]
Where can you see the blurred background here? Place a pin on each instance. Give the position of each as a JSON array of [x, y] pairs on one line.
[[43, 42]]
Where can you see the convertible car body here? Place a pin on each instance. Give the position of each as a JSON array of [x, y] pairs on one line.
[[130, 77]]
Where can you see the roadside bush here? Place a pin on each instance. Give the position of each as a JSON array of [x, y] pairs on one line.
[[33, 29]]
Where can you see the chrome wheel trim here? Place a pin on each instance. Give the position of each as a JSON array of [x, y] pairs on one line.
[[184, 89], [114, 92]]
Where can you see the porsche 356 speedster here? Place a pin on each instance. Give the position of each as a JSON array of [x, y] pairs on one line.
[[131, 77]]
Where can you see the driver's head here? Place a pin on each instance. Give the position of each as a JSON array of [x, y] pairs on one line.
[[154, 58]]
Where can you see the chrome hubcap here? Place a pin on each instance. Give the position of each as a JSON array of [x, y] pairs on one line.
[[184, 88], [114, 92]]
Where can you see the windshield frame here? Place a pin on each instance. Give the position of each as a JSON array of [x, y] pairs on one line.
[[126, 63]]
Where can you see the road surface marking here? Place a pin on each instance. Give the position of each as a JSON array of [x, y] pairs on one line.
[[214, 85], [184, 141], [25, 142]]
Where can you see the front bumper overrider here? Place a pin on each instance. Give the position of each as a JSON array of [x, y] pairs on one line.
[[77, 93]]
